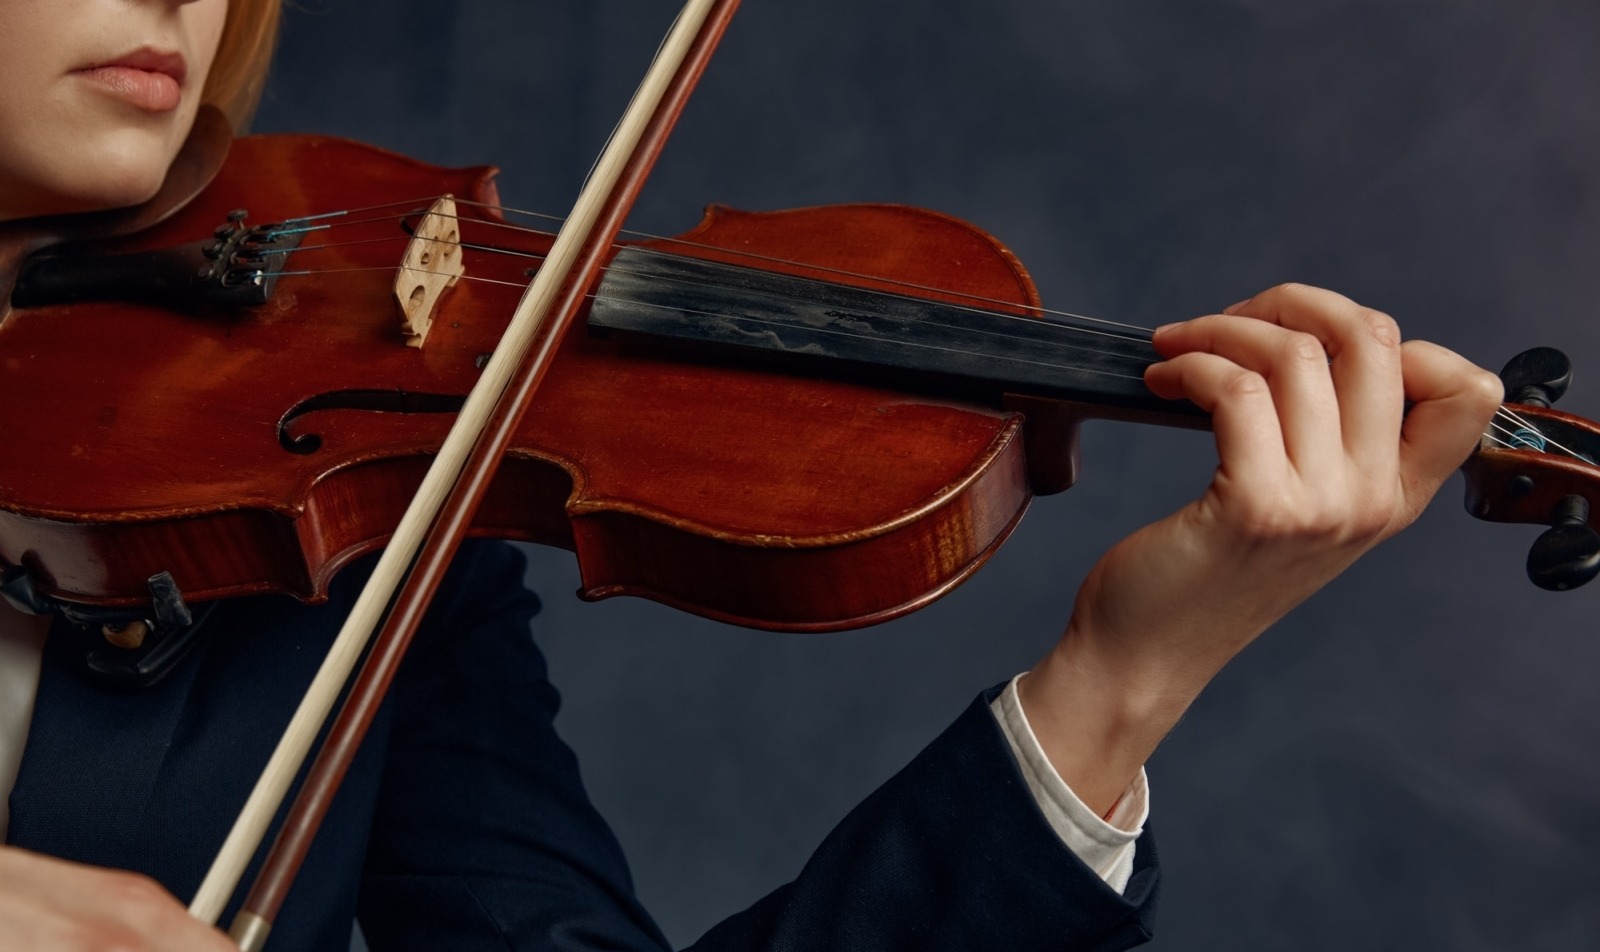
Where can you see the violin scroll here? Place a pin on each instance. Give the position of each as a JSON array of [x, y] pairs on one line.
[[1536, 465]]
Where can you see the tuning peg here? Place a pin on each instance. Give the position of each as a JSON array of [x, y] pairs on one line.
[[1568, 553], [1538, 376]]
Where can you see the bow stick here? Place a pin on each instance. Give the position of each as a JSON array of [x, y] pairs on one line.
[[453, 486]]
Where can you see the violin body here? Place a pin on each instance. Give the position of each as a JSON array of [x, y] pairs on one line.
[[161, 439]]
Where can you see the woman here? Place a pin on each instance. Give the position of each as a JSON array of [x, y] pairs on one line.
[[1307, 391]]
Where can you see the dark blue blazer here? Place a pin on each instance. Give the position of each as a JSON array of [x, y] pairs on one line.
[[464, 825]]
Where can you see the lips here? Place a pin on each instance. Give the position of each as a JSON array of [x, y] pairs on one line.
[[148, 79]]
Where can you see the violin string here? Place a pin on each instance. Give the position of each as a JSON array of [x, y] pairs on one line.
[[346, 212], [1034, 311], [1508, 441], [1512, 439], [392, 269], [966, 308], [875, 293], [902, 319], [418, 206], [1528, 435], [907, 320], [1516, 440], [1522, 434], [1544, 439], [284, 229], [885, 295], [388, 239], [1518, 419], [920, 345], [771, 323], [1526, 428], [1525, 433], [1502, 442]]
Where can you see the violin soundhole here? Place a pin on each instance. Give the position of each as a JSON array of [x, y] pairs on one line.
[[374, 401]]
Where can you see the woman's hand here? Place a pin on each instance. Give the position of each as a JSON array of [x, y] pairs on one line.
[[1319, 462], [50, 905]]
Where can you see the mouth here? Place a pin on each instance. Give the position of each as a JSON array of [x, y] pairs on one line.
[[148, 79]]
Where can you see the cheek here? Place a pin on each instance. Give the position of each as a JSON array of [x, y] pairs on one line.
[[41, 158], [27, 64], [206, 21]]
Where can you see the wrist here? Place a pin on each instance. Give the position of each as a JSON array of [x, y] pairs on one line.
[[1097, 716]]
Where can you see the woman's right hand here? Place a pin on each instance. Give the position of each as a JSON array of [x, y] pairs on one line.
[[51, 905]]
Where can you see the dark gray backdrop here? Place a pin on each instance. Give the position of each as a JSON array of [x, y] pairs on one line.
[[1408, 762]]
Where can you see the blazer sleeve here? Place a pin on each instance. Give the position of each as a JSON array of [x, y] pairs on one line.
[[483, 836]]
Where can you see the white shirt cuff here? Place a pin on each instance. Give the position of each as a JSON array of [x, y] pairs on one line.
[[1104, 845]]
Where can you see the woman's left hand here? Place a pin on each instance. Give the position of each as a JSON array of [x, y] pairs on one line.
[[1319, 460]]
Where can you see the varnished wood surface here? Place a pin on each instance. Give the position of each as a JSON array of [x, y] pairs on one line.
[[742, 494]]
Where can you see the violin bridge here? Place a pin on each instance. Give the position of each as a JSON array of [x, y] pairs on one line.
[[431, 264]]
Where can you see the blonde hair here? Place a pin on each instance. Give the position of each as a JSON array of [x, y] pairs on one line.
[[240, 70]]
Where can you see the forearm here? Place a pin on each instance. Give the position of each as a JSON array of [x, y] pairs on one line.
[[1094, 724], [1104, 841]]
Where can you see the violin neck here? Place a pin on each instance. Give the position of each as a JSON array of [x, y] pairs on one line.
[[907, 338]]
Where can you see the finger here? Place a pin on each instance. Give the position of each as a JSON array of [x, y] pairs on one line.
[[1295, 367], [198, 936], [128, 910], [1285, 301], [137, 904], [1244, 419], [1363, 347], [1453, 401]]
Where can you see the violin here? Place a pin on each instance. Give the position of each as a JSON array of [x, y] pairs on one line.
[[804, 420], [854, 485], [777, 500], [237, 444]]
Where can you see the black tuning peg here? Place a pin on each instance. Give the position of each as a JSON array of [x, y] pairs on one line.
[[1538, 376], [1568, 553]]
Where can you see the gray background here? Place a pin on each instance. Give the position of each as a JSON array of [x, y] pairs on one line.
[[1408, 762]]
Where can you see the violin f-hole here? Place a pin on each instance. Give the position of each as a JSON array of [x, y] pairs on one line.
[[376, 401]]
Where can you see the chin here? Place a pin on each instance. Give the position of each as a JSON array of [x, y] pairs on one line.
[[132, 190], [126, 174], [71, 200], [119, 171]]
